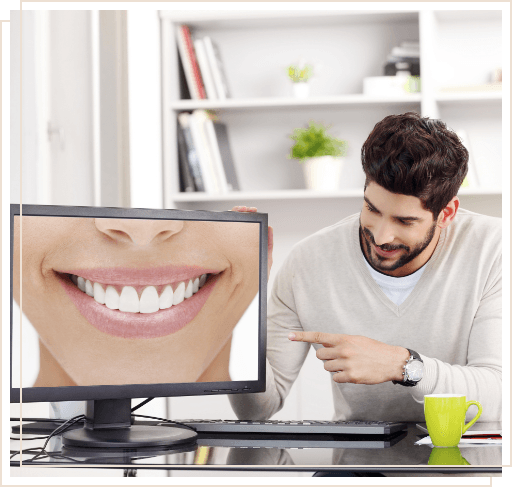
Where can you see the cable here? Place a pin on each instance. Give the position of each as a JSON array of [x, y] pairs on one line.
[[142, 404], [28, 439], [182, 425], [60, 429], [64, 427]]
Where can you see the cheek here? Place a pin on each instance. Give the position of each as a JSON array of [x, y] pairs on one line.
[[367, 219]]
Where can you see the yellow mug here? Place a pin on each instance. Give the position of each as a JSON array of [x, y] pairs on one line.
[[445, 415]]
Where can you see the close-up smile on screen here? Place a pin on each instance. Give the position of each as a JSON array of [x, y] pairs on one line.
[[118, 301]]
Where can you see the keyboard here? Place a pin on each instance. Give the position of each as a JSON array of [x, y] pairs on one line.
[[295, 427], [278, 440]]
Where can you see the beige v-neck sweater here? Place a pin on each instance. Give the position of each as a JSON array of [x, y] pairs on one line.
[[452, 318]]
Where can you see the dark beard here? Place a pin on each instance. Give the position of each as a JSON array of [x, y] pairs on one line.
[[366, 238]]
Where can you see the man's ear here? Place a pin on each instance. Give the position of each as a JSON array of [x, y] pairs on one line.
[[448, 213]]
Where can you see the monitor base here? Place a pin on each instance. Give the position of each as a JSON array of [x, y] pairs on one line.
[[135, 436]]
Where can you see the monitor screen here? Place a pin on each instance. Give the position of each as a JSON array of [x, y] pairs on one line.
[[127, 303]]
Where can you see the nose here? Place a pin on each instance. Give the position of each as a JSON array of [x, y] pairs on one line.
[[138, 232], [383, 233]]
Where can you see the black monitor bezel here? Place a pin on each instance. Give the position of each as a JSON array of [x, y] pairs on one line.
[[84, 393]]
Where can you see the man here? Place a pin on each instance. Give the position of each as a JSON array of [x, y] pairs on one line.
[[412, 281]]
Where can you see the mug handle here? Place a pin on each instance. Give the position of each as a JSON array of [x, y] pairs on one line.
[[473, 421]]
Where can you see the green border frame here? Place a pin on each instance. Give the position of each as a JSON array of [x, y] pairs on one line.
[[15, 5]]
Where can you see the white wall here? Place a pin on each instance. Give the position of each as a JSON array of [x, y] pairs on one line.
[[30, 108], [145, 109]]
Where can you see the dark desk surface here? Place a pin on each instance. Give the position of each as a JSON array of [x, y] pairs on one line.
[[311, 453]]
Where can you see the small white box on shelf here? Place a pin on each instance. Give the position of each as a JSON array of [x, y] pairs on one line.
[[390, 85]]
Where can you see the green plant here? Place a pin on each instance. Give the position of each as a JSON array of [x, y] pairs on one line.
[[314, 141], [300, 74]]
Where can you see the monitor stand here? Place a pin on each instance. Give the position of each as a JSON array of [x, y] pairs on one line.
[[108, 425]]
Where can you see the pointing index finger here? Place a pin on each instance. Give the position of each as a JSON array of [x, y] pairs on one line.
[[326, 339]]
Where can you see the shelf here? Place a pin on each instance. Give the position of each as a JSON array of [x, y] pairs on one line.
[[469, 97], [296, 16], [478, 14], [242, 196], [255, 103], [480, 192]]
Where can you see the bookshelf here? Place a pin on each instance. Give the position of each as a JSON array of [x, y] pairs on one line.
[[256, 47], [458, 48]]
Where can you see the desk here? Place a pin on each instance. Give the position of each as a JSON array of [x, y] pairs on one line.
[[396, 455]]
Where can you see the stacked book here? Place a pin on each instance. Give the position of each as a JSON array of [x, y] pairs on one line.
[[202, 65], [205, 159], [404, 59]]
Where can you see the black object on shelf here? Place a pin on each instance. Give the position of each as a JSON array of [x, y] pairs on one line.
[[186, 179], [396, 64]]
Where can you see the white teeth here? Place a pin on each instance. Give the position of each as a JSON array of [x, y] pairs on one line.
[[129, 300], [88, 288], [190, 289], [202, 280], [111, 298], [81, 284], [99, 293], [166, 298], [149, 302], [179, 294]]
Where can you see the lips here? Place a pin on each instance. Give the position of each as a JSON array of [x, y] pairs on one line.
[[139, 303], [386, 253]]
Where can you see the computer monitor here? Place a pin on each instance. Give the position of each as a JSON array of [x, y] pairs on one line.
[[136, 303]]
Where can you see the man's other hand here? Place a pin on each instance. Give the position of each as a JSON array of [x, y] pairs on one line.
[[356, 359], [251, 209]]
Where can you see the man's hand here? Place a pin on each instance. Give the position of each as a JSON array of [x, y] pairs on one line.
[[251, 209], [356, 359]]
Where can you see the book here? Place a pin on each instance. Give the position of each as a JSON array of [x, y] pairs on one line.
[[215, 155], [492, 428], [217, 68], [204, 66], [480, 434], [186, 178], [405, 52], [226, 156], [189, 61], [410, 44], [197, 127], [192, 157]]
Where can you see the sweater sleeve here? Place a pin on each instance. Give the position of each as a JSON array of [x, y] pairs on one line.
[[480, 378], [284, 357]]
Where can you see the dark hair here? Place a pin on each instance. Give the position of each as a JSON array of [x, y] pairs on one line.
[[416, 156]]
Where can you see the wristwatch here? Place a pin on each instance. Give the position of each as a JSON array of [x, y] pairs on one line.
[[413, 370]]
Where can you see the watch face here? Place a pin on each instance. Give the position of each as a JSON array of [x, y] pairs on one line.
[[415, 371]]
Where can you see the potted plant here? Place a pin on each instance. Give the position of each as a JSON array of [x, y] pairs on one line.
[[320, 154], [299, 74]]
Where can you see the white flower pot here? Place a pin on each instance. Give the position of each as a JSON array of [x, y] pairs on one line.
[[323, 173], [300, 90]]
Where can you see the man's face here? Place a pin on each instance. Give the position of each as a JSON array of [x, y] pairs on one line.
[[398, 235]]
